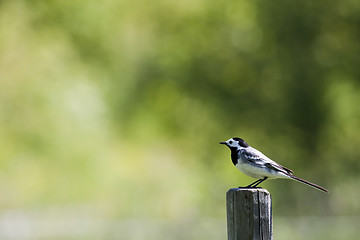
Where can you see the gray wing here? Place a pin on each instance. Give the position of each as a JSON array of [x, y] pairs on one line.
[[255, 157]]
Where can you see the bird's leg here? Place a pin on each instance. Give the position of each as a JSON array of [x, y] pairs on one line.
[[256, 182], [261, 180]]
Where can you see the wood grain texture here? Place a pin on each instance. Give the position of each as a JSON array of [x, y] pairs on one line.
[[249, 214]]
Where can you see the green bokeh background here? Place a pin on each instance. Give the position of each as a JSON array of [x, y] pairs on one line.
[[111, 113]]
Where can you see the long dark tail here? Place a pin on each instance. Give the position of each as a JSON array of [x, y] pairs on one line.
[[309, 183]]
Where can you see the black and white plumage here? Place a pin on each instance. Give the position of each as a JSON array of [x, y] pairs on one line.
[[255, 164]]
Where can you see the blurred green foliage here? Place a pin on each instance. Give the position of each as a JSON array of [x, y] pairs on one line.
[[120, 105]]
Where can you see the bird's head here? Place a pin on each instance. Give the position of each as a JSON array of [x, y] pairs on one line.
[[235, 143]]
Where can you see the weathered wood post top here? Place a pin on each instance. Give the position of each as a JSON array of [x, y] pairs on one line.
[[249, 214]]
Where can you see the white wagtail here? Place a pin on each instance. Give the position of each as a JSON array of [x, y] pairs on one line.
[[255, 164]]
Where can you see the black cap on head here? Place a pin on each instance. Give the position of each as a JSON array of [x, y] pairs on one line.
[[241, 142]]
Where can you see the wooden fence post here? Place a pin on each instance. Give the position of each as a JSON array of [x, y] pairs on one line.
[[249, 214]]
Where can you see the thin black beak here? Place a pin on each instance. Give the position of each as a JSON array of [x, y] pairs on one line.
[[223, 143]]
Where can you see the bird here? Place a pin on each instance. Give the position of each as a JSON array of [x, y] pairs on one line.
[[255, 164]]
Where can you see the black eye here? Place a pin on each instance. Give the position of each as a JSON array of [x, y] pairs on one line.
[[230, 142]]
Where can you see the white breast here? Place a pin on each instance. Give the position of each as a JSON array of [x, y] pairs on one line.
[[257, 172]]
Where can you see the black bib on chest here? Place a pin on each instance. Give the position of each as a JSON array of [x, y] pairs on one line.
[[234, 155]]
